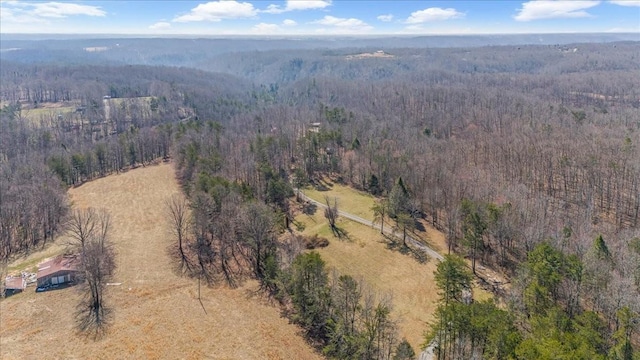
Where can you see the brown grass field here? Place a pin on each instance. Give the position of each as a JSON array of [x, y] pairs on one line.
[[48, 113], [156, 314], [365, 255]]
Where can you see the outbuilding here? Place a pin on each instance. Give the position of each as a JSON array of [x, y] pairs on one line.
[[58, 271], [14, 284]]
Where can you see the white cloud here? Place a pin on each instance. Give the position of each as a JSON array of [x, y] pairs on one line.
[[26, 12], [335, 21], [626, 2], [273, 9], [8, 16], [343, 25], [433, 14], [60, 10], [385, 18], [289, 22], [307, 4], [264, 28], [297, 5], [218, 10], [550, 9], [161, 25]]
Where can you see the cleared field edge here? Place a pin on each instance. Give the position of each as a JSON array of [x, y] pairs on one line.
[[156, 313], [359, 203], [365, 255], [365, 252]]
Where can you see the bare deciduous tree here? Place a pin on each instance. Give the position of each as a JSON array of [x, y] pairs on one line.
[[180, 222], [259, 236], [90, 230], [331, 213]]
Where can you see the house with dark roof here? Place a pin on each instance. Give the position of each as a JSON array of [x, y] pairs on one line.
[[58, 271]]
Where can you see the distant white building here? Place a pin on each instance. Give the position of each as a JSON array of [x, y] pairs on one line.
[[314, 127]]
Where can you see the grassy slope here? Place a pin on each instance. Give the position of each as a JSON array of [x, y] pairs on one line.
[[360, 203], [157, 314], [365, 255], [48, 114]]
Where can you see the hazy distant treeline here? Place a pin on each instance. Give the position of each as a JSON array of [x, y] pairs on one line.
[[510, 151]]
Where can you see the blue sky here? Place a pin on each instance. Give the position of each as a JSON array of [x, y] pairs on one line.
[[318, 17]]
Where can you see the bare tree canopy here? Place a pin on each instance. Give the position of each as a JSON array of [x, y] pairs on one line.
[[90, 230], [177, 209], [331, 214]]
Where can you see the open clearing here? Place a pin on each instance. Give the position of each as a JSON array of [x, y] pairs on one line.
[[156, 313], [378, 54], [365, 255], [48, 113], [359, 203]]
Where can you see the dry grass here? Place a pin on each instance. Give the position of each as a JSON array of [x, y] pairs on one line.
[[30, 263], [365, 255], [359, 203], [141, 100], [156, 314], [47, 114], [350, 200]]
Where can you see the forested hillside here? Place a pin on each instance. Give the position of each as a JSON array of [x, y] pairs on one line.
[[527, 157]]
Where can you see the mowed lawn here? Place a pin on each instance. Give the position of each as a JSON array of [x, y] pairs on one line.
[[359, 203], [355, 202], [365, 255], [156, 314]]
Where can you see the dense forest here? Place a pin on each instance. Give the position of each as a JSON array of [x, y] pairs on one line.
[[526, 156]]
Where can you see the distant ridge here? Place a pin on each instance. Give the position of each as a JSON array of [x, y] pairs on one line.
[[392, 40]]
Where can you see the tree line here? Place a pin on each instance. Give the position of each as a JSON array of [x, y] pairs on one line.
[[500, 152], [40, 157]]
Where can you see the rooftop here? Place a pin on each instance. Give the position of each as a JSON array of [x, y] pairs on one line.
[[15, 283], [60, 263]]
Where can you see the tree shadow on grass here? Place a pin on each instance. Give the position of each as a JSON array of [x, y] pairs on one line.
[[422, 238], [419, 226], [275, 295], [203, 308], [394, 244], [309, 208], [92, 323], [341, 233], [180, 265], [322, 185]]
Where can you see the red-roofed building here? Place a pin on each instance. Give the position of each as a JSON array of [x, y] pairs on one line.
[[57, 271], [14, 284]]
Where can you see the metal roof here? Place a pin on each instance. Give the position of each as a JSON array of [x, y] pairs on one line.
[[52, 266], [14, 283]]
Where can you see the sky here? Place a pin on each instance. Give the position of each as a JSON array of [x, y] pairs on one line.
[[318, 17]]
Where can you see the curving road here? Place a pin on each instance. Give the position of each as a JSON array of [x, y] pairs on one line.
[[428, 352], [410, 240]]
